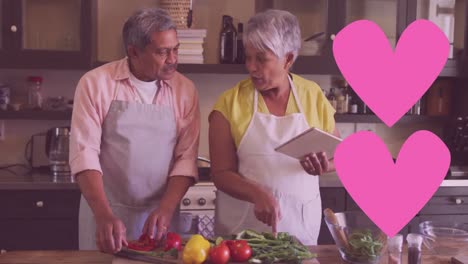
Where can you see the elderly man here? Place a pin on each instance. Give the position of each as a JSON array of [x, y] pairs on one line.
[[135, 137]]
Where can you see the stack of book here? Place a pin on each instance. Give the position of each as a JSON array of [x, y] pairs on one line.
[[191, 45]]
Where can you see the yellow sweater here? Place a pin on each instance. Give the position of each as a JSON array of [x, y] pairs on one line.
[[236, 106]]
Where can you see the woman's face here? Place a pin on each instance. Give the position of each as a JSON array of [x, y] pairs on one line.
[[266, 70]]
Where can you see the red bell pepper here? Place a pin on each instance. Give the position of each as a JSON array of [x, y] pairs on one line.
[[173, 240], [144, 243]]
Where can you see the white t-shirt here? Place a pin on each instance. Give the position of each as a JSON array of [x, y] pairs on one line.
[[146, 90]]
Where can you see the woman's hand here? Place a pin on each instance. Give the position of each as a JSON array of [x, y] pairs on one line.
[[315, 163], [267, 208]]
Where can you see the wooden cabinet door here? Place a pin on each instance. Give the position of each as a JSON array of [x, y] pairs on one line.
[[39, 234], [315, 56], [47, 34], [39, 219]]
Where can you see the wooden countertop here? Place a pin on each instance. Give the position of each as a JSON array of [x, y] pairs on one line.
[[326, 254]]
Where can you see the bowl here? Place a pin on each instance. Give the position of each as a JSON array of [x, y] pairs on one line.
[[358, 239], [445, 237]]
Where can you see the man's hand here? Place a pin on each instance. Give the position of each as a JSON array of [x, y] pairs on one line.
[[159, 219], [267, 209], [315, 164], [110, 234]]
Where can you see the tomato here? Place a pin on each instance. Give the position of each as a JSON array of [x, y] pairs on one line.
[[219, 254], [144, 243], [173, 240], [240, 250]]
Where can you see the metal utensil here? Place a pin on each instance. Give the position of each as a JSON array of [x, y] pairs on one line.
[[314, 36]]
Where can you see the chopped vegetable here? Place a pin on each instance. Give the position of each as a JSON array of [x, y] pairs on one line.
[[362, 246], [144, 243]]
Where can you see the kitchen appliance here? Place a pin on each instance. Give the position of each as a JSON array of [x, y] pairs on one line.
[[198, 209], [57, 150]]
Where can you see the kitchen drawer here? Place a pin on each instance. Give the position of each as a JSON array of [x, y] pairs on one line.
[[39, 234], [450, 191], [451, 218], [441, 205], [39, 204]]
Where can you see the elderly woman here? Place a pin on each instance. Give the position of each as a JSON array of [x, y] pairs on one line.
[[259, 188]]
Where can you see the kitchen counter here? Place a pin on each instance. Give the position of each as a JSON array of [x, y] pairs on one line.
[[326, 254], [36, 181], [45, 181], [332, 180]]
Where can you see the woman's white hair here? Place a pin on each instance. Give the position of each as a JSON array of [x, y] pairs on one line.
[[274, 30]]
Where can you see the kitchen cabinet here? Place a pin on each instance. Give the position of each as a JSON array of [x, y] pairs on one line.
[[45, 34], [447, 204], [326, 16], [110, 17], [39, 219], [389, 15], [450, 16]]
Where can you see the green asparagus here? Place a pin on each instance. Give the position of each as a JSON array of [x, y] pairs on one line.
[[268, 249]]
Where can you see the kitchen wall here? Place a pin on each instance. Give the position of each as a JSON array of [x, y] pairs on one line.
[[210, 86]]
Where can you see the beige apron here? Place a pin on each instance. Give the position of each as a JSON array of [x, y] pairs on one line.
[[296, 191], [137, 147]]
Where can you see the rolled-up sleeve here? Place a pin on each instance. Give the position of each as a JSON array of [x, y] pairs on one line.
[[186, 149], [85, 138]]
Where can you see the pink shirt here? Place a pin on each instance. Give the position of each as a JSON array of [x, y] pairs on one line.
[[93, 96]]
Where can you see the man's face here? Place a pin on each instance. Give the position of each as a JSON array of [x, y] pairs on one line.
[[158, 60]]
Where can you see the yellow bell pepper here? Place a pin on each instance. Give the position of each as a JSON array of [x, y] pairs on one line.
[[196, 250]]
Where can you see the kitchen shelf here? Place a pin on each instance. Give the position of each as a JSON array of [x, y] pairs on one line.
[[352, 118], [340, 118], [303, 65], [36, 115]]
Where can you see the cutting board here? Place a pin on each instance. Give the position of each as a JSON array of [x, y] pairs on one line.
[[120, 260], [460, 260], [128, 256], [131, 257]]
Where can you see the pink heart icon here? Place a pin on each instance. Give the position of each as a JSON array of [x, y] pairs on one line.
[[391, 194], [390, 82]]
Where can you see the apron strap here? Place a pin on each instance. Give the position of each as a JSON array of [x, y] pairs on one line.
[[293, 89], [255, 106], [296, 98], [159, 86]]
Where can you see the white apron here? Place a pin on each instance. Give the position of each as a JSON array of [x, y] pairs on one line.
[[137, 146], [297, 192]]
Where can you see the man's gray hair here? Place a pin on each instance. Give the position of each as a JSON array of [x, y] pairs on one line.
[[274, 30], [138, 28]]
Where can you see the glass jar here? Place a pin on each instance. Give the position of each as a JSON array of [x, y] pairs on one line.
[[35, 92]]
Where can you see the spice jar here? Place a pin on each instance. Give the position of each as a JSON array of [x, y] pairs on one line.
[[414, 248], [395, 245]]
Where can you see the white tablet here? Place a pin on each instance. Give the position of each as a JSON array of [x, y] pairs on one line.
[[312, 140]]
